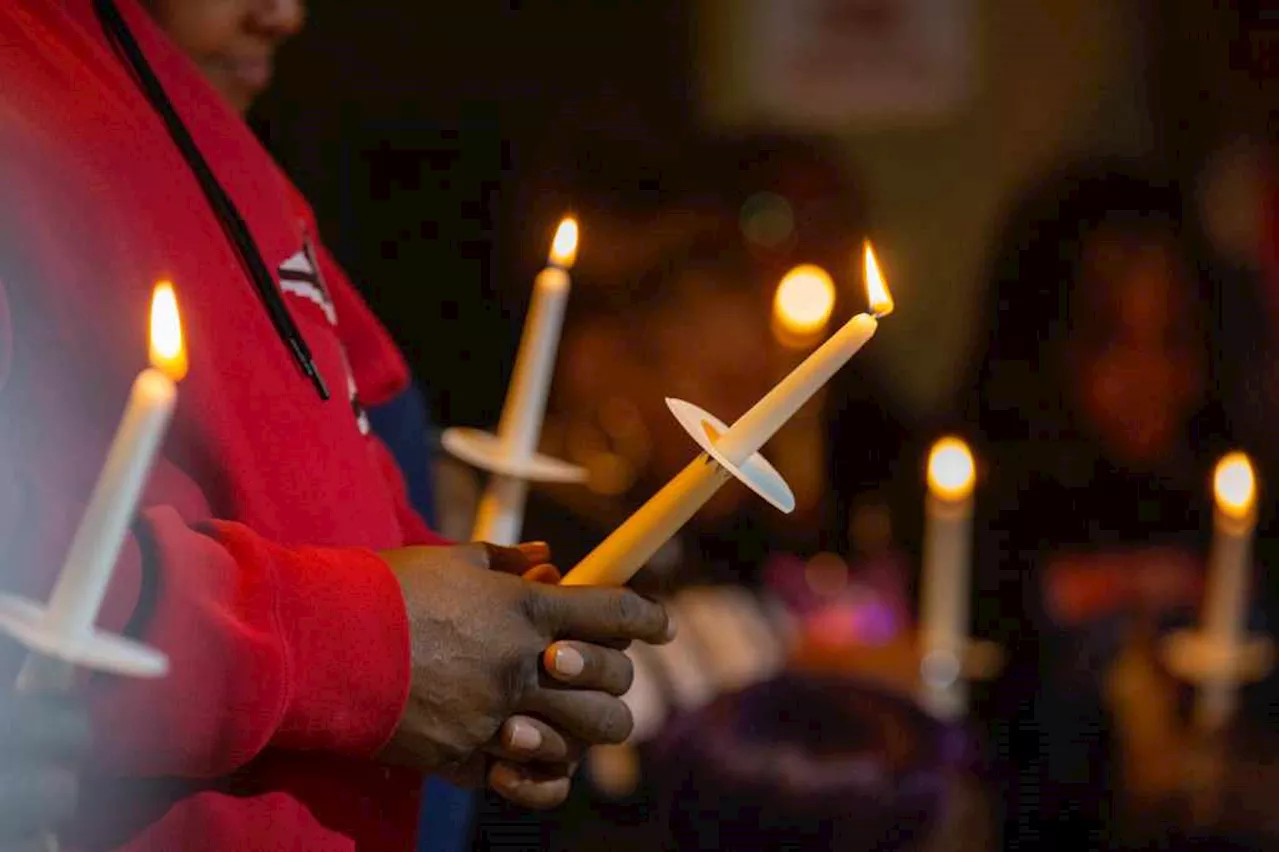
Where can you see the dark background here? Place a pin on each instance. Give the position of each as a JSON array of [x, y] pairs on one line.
[[412, 127]]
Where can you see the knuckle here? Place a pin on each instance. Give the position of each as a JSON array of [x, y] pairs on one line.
[[616, 723], [480, 554], [518, 674], [629, 610], [533, 606]]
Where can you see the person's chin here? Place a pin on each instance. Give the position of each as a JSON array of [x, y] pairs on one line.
[[238, 92]]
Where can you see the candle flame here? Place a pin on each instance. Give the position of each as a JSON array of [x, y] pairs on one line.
[[564, 248], [804, 300], [1233, 486], [877, 292], [167, 351], [951, 470]]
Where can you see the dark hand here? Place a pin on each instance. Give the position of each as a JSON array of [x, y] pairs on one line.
[[535, 762], [41, 738], [479, 636]]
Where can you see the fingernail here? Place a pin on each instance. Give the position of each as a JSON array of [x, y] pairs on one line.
[[569, 662], [672, 630], [525, 737], [535, 551]]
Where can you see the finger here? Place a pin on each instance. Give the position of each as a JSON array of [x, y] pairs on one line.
[[601, 614], [33, 798], [523, 739], [545, 573], [535, 552], [513, 560], [588, 666], [589, 716], [497, 557], [531, 787], [48, 726]]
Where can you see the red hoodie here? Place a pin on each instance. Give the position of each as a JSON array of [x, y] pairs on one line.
[[251, 562]]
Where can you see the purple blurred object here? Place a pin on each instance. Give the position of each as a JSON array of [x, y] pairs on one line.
[[806, 762], [867, 608]]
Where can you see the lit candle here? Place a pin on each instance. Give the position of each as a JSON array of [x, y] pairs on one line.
[[631, 545], [944, 623], [63, 632], [1226, 594], [500, 514]]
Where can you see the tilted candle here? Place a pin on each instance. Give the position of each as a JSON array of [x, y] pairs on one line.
[[63, 632], [730, 452]]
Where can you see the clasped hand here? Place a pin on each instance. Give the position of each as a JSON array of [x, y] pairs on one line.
[[513, 676]]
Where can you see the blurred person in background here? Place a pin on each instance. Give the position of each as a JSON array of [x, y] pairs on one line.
[[1097, 410]]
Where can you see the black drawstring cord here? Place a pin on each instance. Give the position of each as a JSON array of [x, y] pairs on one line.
[[236, 230]]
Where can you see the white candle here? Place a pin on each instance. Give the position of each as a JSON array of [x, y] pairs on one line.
[[82, 584], [1227, 589], [500, 514], [944, 621], [631, 545]]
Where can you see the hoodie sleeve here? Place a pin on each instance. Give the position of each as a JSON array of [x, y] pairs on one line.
[[269, 645]]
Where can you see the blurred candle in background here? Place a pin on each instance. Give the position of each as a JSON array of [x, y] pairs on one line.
[[1227, 590], [944, 625], [802, 305]]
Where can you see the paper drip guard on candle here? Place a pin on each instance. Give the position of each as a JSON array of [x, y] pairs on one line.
[[731, 451], [486, 451], [62, 633], [511, 456]]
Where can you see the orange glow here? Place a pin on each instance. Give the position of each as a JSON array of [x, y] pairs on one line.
[[804, 300], [1233, 486], [877, 291], [168, 353], [951, 470], [564, 248]]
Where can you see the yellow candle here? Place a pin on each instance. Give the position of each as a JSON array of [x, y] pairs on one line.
[[944, 623], [631, 545], [500, 514], [1227, 589]]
